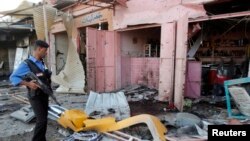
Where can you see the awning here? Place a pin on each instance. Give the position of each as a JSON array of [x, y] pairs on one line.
[[25, 9], [97, 3], [220, 16], [121, 2]]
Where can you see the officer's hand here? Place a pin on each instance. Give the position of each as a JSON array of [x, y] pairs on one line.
[[32, 85]]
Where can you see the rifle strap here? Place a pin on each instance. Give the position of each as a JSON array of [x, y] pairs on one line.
[[33, 67]]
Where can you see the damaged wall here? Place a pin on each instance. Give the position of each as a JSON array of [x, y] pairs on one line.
[[61, 50], [164, 12], [83, 17], [145, 71], [132, 42], [7, 51], [11, 53], [136, 70], [71, 78], [4, 57], [153, 11]]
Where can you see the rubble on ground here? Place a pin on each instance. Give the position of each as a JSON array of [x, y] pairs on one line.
[[191, 124], [139, 92]]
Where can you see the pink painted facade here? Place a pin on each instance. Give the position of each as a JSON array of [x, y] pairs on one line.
[[193, 79], [110, 62], [167, 59], [101, 64], [152, 11], [172, 15], [143, 71], [180, 61]]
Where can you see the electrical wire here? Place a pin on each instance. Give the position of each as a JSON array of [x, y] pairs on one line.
[[233, 26]]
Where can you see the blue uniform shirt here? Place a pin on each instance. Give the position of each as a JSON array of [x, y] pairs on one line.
[[23, 69]]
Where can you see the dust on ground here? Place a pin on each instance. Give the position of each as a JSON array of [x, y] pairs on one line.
[[16, 130]]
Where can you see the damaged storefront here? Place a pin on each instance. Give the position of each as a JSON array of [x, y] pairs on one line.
[[15, 40], [185, 51], [221, 45], [153, 46], [19, 29], [86, 15], [220, 49], [136, 61], [170, 46]]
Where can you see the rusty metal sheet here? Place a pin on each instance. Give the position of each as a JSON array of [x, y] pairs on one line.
[[181, 61], [167, 57]]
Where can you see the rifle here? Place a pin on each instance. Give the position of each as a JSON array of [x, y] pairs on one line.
[[42, 86]]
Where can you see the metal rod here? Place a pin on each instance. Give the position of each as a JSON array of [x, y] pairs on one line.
[[97, 6], [20, 99], [220, 16], [21, 14], [114, 136]]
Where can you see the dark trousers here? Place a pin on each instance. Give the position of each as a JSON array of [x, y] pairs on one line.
[[39, 104]]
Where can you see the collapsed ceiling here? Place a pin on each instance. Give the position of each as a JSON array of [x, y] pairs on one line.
[[226, 6]]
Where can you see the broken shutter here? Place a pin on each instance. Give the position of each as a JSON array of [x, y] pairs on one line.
[[167, 57], [100, 60], [181, 61]]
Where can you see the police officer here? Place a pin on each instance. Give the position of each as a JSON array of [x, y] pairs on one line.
[[37, 98]]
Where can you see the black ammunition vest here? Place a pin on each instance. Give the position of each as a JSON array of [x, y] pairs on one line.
[[44, 76]]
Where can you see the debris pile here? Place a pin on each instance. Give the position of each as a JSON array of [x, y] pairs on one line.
[[84, 136], [139, 93], [4, 108]]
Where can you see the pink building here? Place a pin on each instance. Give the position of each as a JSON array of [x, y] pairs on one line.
[[142, 42]]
